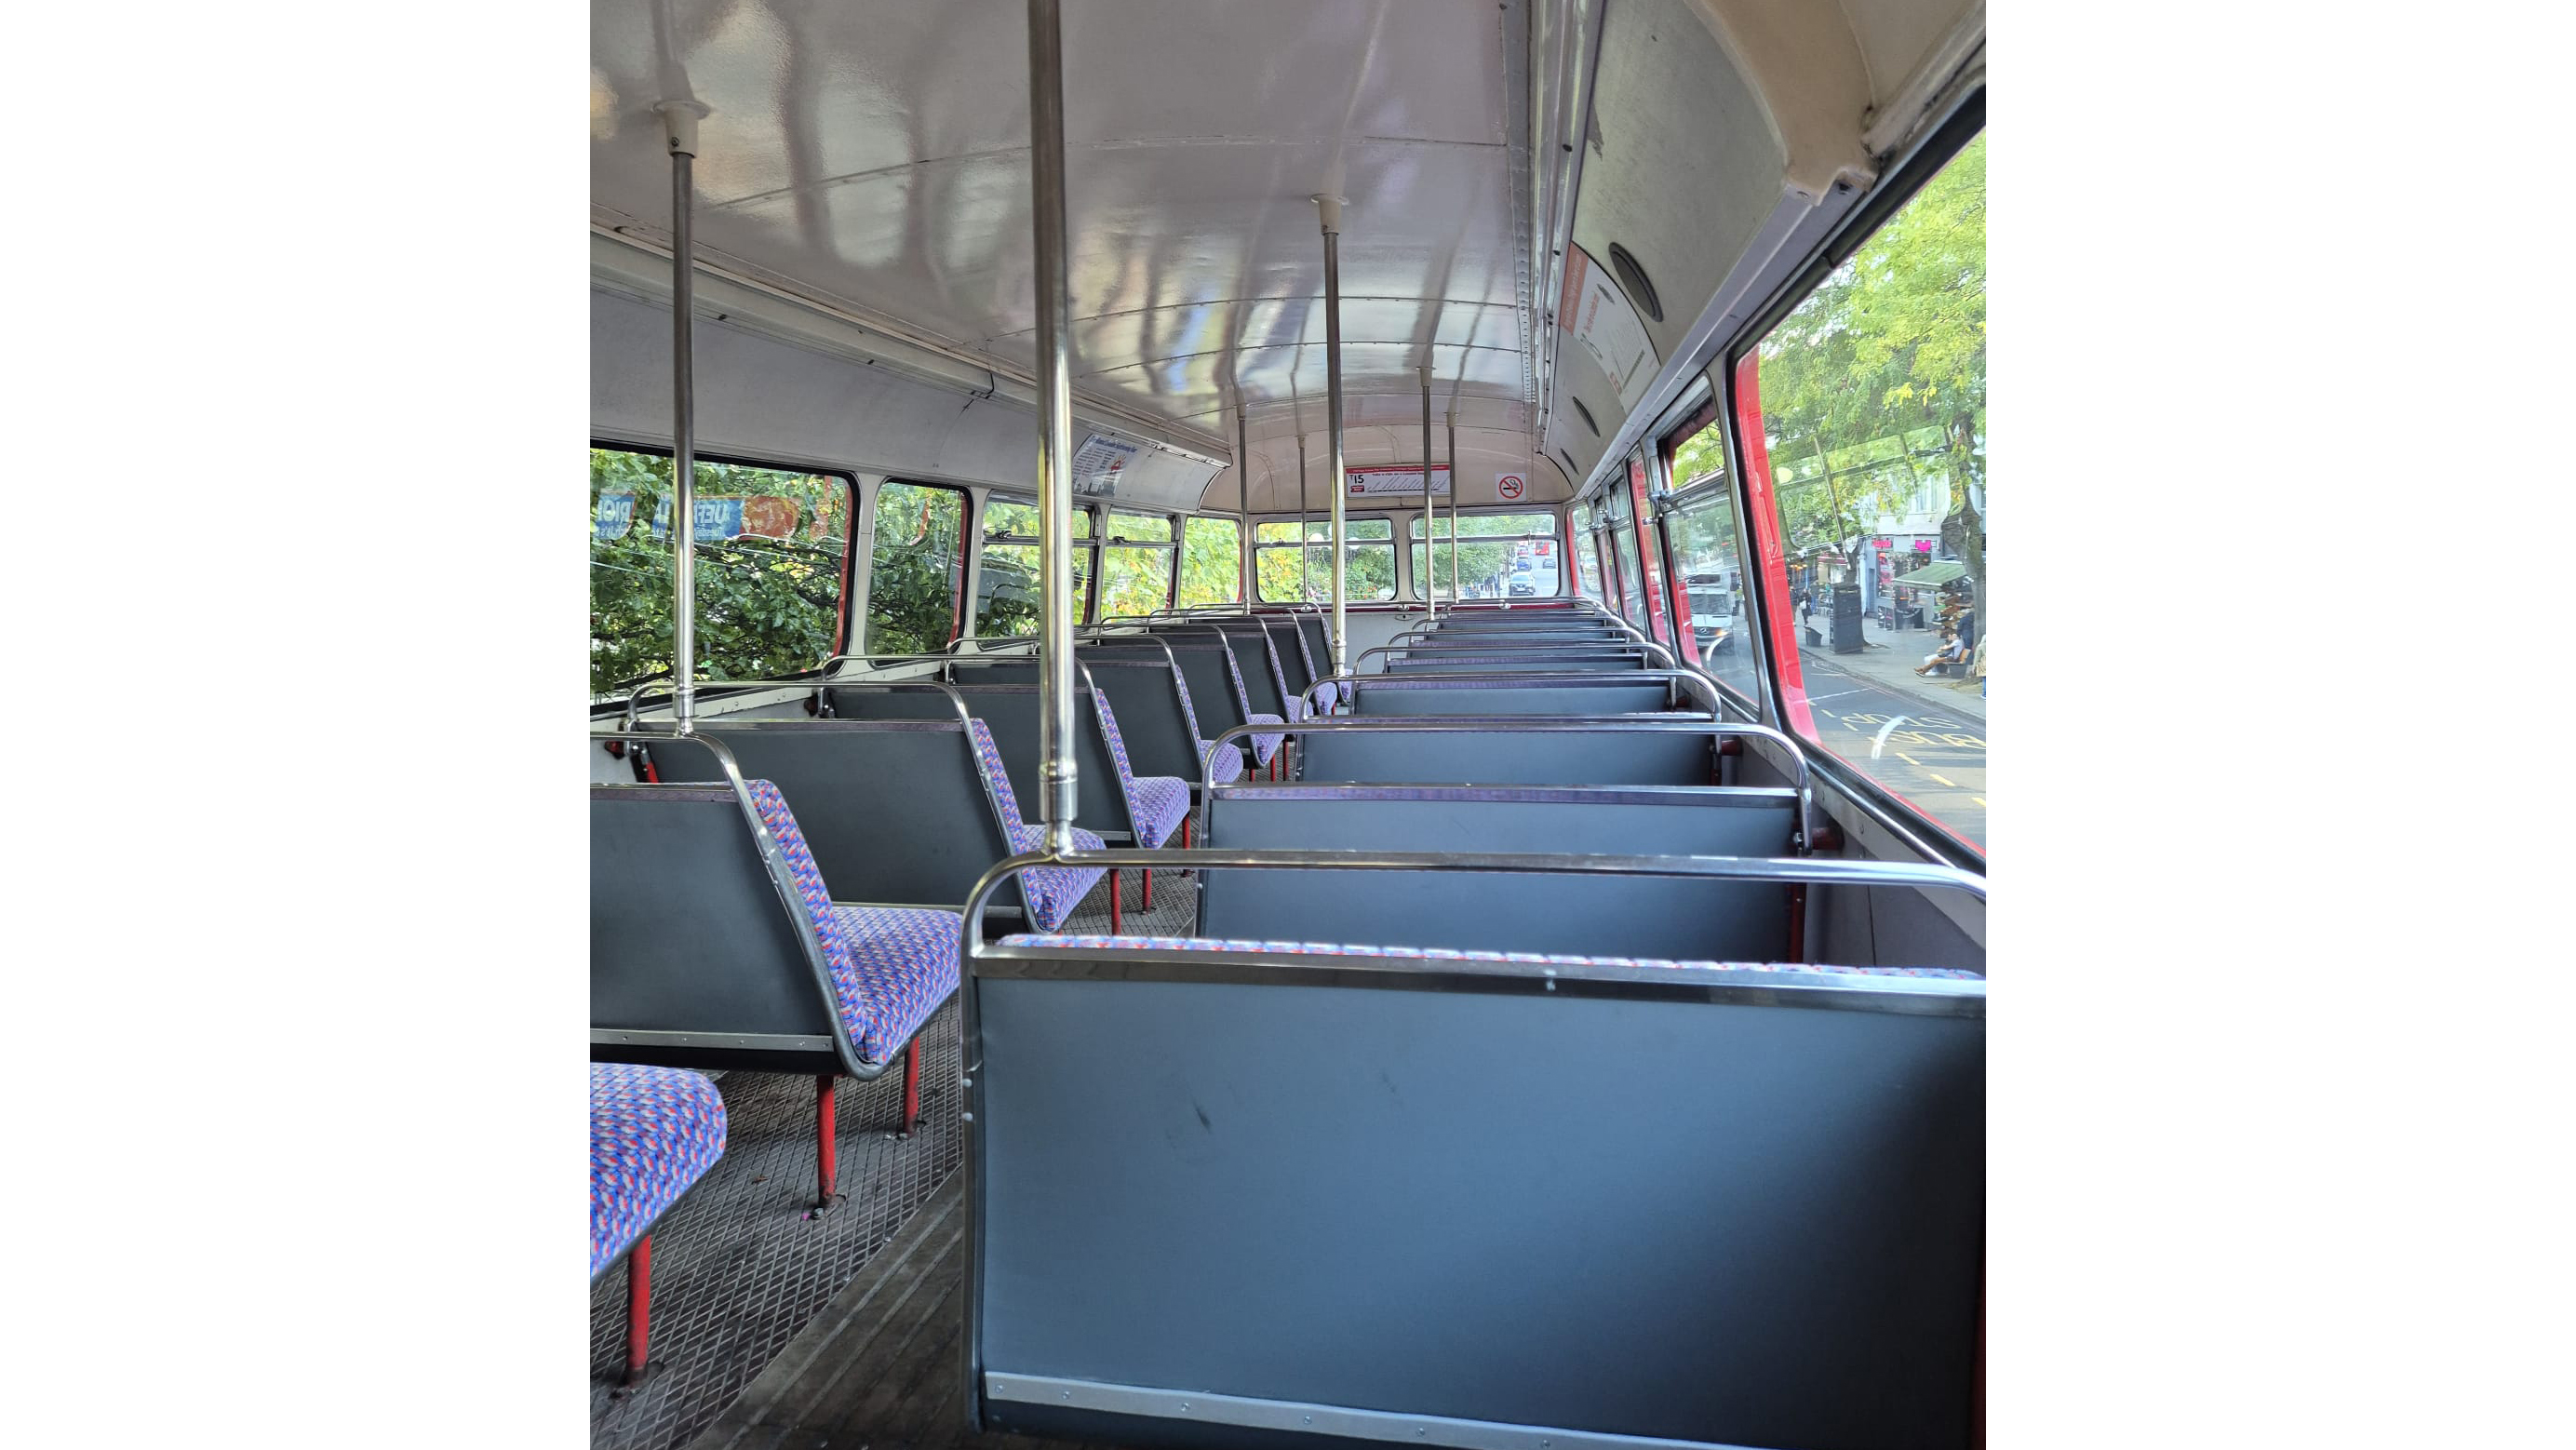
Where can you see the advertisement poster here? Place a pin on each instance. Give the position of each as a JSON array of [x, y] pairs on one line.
[[1607, 326], [614, 516], [1097, 464]]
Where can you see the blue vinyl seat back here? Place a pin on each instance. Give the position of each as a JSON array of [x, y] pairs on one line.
[[1264, 677], [687, 932], [1721, 1218], [895, 811], [1633, 916], [1010, 711], [1142, 693], [1395, 695], [1504, 756], [1477, 661]]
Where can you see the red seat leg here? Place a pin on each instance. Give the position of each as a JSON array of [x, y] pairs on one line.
[[639, 1307], [1113, 903], [911, 1085], [827, 1131], [1149, 890]]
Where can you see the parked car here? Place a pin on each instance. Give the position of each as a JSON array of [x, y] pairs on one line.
[[1523, 585]]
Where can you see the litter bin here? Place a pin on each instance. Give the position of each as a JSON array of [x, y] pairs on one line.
[[1847, 640]]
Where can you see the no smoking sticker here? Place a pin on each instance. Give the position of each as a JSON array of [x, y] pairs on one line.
[[1509, 485]]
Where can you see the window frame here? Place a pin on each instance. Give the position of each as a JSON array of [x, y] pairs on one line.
[[969, 517], [1091, 569], [1554, 536], [852, 496], [1675, 497], [1234, 598], [1395, 594], [1748, 453], [1101, 543]]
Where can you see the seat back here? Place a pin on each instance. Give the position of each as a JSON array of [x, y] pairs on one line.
[[1265, 681], [1636, 916], [1709, 1205], [1011, 712], [896, 812], [1491, 751], [695, 948], [1506, 695]]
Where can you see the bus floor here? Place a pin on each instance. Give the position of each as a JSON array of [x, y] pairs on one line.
[[748, 1290]]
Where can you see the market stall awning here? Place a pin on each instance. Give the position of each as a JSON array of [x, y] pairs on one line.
[[1940, 571]]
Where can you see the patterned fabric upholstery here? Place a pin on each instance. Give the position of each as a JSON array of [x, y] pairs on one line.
[[653, 1132], [1265, 746], [890, 968], [1223, 765], [1155, 803], [1444, 954], [1051, 892], [902, 965]]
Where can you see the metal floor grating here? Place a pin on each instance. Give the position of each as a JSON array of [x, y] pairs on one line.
[[739, 1268]]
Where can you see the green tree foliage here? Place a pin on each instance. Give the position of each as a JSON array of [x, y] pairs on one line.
[[766, 607], [1368, 574], [1211, 563], [913, 570], [1876, 384]]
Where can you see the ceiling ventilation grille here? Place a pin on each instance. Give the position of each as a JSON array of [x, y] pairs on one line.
[[1641, 289], [1585, 414]]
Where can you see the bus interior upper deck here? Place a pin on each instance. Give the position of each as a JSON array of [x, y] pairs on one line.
[[1287, 721]]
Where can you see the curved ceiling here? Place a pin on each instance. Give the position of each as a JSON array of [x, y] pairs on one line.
[[876, 153]]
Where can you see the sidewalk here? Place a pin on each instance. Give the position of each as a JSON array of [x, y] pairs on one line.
[[1888, 664]]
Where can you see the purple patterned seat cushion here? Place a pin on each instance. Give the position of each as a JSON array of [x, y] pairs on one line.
[[1265, 746], [1050, 891], [1159, 802], [890, 968], [1446, 954], [902, 963], [1222, 765], [1053, 891], [653, 1132]]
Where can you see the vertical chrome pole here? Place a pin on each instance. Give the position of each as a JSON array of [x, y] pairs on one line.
[[1305, 556], [680, 131], [1454, 487], [1243, 500], [1430, 515], [1057, 779], [1331, 207]]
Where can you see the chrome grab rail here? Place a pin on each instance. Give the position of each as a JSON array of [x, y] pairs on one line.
[[1808, 871]]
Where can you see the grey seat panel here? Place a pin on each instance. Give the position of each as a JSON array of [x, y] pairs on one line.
[[1670, 918], [1376, 699], [1506, 757]]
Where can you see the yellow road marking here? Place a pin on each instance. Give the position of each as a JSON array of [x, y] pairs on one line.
[[1981, 800], [1945, 780], [1908, 759]]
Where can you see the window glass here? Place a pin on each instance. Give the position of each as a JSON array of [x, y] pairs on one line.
[[771, 545], [1136, 581], [1211, 563], [1587, 556], [1282, 568], [1871, 401], [1501, 556], [914, 565], [1632, 588], [1006, 582], [1708, 550]]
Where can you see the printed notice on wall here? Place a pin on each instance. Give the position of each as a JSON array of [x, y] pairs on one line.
[[1603, 321], [1098, 462], [1393, 480]]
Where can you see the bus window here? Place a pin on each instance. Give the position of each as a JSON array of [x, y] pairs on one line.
[[1368, 576], [1211, 563], [1136, 565], [1587, 555], [1708, 555], [1871, 402], [1501, 556], [1623, 555], [913, 568], [772, 547], [1006, 586]]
